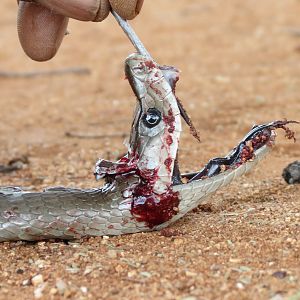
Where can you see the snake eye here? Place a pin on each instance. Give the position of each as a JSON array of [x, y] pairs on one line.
[[152, 118]]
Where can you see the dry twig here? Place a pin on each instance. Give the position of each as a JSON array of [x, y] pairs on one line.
[[94, 136], [34, 74]]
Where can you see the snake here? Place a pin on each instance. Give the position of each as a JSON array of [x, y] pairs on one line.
[[144, 190]]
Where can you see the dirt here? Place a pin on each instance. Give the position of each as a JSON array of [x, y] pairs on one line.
[[240, 63]]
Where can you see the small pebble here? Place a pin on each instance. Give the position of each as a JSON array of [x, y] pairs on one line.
[[240, 286], [53, 291], [88, 270], [190, 274], [291, 173], [222, 79], [20, 271], [73, 269], [178, 242], [112, 253], [26, 282], [146, 274], [37, 280], [277, 297], [61, 286], [280, 274], [38, 292], [4, 291], [84, 289], [245, 269], [131, 274], [119, 269]]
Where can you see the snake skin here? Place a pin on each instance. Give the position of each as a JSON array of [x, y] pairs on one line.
[[72, 213]]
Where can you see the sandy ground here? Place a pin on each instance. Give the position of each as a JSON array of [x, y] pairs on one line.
[[240, 63]]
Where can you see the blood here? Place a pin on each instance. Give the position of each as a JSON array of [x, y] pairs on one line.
[[246, 154], [123, 167], [126, 168], [170, 232], [251, 146], [150, 207], [168, 163], [150, 64], [73, 231], [147, 206], [154, 88], [289, 134], [169, 140], [169, 121], [154, 209], [124, 159], [261, 139]]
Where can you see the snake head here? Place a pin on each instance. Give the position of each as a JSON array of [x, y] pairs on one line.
[[156, 126]]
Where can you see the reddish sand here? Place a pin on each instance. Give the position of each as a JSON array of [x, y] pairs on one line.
[[240, 65]]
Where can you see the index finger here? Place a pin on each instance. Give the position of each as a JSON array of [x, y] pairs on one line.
[[127, 9], [83, 10]]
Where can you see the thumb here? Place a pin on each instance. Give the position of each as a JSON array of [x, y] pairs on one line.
[[40, 30]]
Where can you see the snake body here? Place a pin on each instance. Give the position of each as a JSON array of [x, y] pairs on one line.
[[144, 189]]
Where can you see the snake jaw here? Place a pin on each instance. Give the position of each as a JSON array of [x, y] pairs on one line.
[[108, 170], [259, 136]]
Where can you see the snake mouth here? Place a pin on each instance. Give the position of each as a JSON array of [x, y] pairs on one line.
[[258, 137]]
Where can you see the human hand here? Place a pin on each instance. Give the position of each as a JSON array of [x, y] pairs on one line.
[[42, 24]]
